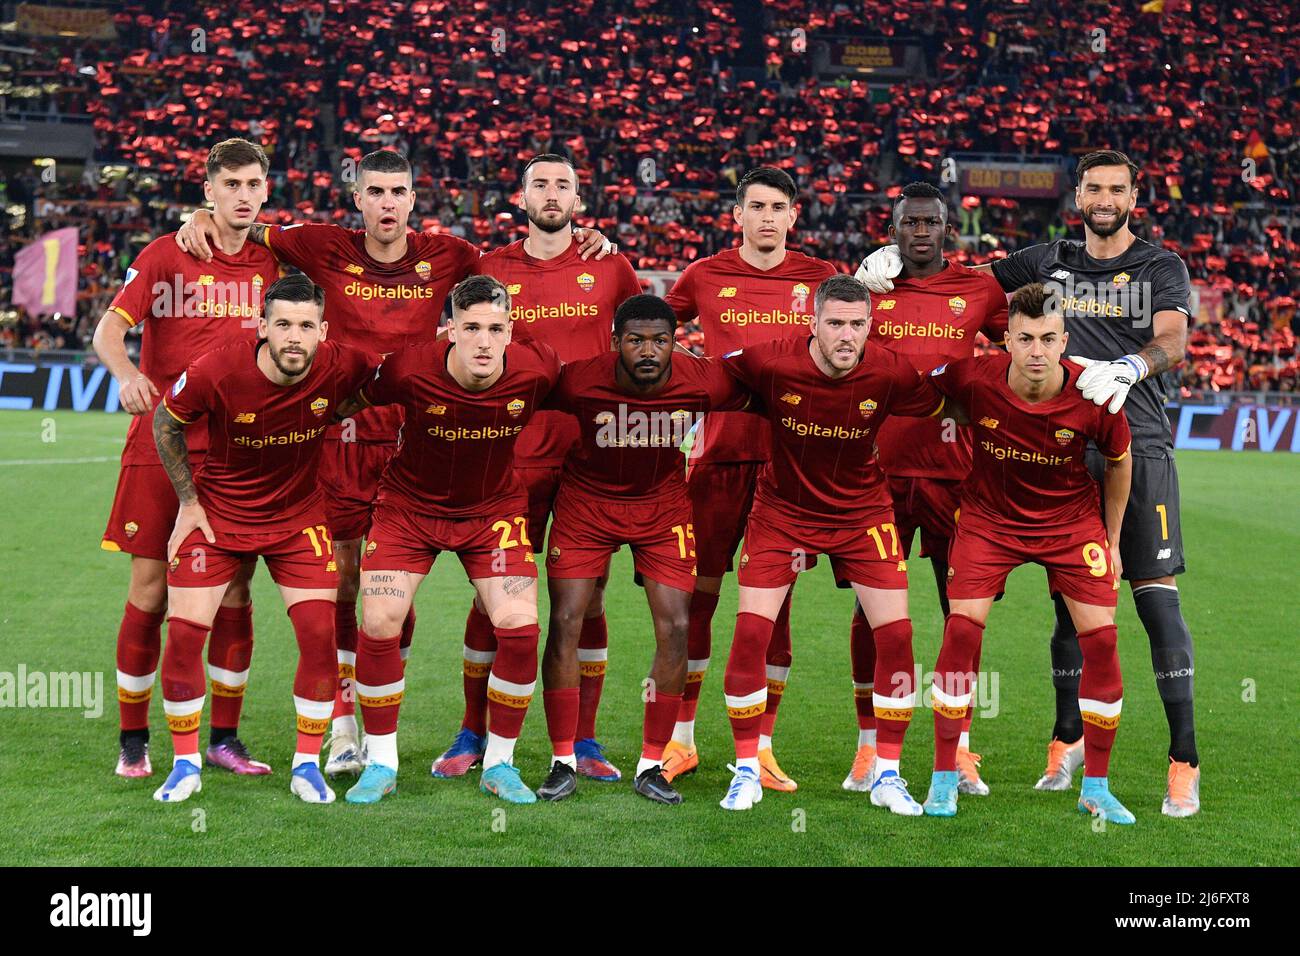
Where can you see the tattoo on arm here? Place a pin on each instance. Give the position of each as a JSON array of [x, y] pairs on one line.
[[169, 436], [1168, 346], [1157, 358], [257, 232]]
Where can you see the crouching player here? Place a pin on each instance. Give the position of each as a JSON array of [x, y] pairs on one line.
[[267, 405], [452, 487], [822, 493], [1030, 498], [625, 485]]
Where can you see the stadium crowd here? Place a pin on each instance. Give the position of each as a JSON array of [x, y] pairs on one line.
[[662, 110]]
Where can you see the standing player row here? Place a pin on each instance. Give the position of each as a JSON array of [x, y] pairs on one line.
[[760, 290]]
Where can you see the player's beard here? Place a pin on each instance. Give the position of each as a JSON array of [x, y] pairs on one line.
[[291, 372], [553, 225], [632, 373], [832, 355], [1106, 230]]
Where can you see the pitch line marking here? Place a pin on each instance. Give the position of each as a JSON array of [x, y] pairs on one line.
[[56, 461]]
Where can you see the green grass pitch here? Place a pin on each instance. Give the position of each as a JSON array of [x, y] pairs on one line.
[[61, 598]]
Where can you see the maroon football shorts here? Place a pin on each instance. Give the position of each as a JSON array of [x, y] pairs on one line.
[[721, 495], [928, 505], [588, 529], [1078, 563], [542, 484], [350, 473], [144, 511], [296, 559], [776, 550], [491, 546]]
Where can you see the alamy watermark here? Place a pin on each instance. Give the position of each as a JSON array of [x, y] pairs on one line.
[[634, 428], [75, 690]]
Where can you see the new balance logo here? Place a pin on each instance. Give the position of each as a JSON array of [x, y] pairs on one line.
[[792, 398], [245, 418], [1164, 553], [1060, 274]]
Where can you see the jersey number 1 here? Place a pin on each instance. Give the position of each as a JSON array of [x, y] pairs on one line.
[[316, 541]]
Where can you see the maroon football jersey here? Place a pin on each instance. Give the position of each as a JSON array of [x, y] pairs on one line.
[[630, 442], [260, 474], [187, 308], [822, 470], [457, 453], [1029, 475], [739, 306], [929, 322], [376, 306], [569, 304]]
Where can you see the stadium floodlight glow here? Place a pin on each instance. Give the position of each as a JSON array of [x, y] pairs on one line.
[[43, 161]]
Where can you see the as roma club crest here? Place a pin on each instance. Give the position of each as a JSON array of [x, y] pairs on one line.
[[957, 304], [319, 405], [799, 297], [586, 282], [1064, 436], [423, 270], [515, 408], [866, 408]]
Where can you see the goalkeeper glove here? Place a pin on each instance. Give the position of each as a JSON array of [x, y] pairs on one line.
[[878, 270], [1102, 381]]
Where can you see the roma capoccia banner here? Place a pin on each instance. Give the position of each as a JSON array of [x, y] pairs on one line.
[[1239, 426], [45, 273], [38, 19], [866, 56]]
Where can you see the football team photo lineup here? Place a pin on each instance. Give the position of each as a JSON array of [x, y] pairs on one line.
[[711, 433]]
